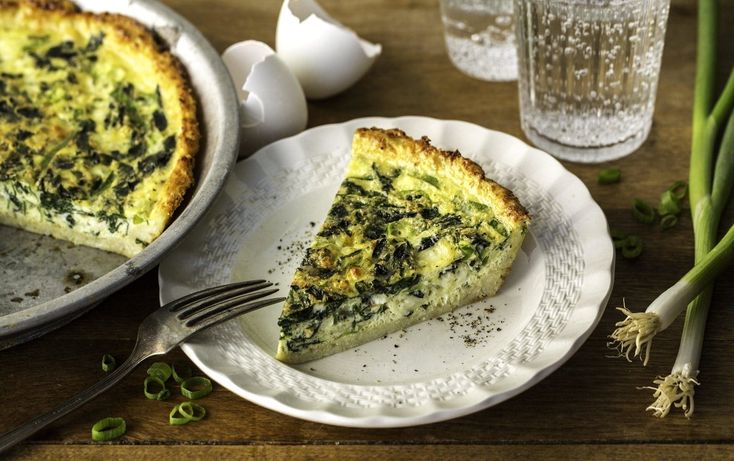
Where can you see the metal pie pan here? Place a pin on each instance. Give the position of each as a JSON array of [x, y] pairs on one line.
[[48, 282]]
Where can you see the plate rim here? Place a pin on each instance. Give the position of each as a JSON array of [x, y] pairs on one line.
[[19, 326], [436, 413]]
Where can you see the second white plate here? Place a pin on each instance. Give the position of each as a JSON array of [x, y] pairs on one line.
[[471, 359]]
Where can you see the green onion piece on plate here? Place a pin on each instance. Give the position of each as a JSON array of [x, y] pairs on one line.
[[180, 372], [108, 363], [150, 391], [108, 429], [196, 387], [160, 370], [643, 212], [609, 176]]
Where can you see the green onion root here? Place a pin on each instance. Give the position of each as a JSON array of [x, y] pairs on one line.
[[677, 390], [634, 333]]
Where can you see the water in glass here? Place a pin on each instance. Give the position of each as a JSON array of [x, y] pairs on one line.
[[588, 74], [480, 37]]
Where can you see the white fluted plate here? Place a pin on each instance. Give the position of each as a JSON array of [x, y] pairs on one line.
[[457, 364]]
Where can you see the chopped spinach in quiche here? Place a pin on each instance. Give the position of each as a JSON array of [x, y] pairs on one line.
[[412, 233]]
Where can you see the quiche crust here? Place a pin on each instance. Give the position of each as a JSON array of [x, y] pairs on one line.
[[129, 46], [413, 233]]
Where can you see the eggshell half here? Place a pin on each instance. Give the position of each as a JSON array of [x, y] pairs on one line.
[[326, 57], [272, 103]]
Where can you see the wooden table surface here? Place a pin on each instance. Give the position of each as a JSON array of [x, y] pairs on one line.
[[591, 408]]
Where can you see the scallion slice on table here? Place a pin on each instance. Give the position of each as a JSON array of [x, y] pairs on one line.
[[196, 387], [108, 429], [161, 370], [176, 418], [185, 412], [154, 388], [643, 212], [192, 411], [609, 176], [108, 363]]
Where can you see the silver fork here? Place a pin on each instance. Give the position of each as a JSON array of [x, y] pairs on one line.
[[160, 332]]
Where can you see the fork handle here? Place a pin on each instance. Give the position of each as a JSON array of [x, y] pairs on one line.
[[21, 433]]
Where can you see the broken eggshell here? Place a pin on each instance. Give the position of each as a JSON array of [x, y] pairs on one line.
[[272, 103], [326, 57]]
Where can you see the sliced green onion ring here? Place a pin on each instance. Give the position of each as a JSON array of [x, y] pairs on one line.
[[679, 189], [643, 212], [176, 418], [609, 176], [669, 204], [108, 429], [153, 394], [193, 411], [196, 387], [668, 221], [618, 238], [108, 363], [161, 370], [181, 372], [632, 247]]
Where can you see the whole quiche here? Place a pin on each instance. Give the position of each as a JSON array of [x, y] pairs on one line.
[[98, 127]]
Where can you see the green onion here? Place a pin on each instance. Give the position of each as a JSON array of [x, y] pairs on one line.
[[161, 370], [176, 418], [618, 238], [679, 189], [637, 330], [192, 411], [708, 199], [632, 247], [185, 412], [709, 189], [155, 394], [108, 363], [108, 429], [609, 176], [643, 212], [669, 204], [180, 372], [668, 221], [196, 387]]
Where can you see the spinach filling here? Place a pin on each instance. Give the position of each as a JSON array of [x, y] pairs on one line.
[[78, 167], [392, 228]]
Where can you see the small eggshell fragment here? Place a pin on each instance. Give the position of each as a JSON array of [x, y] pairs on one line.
[[326, 57], [272, 103]]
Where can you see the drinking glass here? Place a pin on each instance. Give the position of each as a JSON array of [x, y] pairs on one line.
[[480, 37], [588, 74]]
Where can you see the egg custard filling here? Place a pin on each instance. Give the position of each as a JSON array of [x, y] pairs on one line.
[[413, 232], [97, 126]]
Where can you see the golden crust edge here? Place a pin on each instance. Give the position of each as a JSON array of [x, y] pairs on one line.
[[472, 173]]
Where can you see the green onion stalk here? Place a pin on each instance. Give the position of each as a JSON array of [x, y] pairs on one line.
[[678, 388], [709, 190]]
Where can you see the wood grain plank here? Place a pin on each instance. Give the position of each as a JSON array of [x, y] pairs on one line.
[[591, 452]]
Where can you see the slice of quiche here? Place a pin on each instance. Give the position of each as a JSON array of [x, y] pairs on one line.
[[414, 232], [97, 126]]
